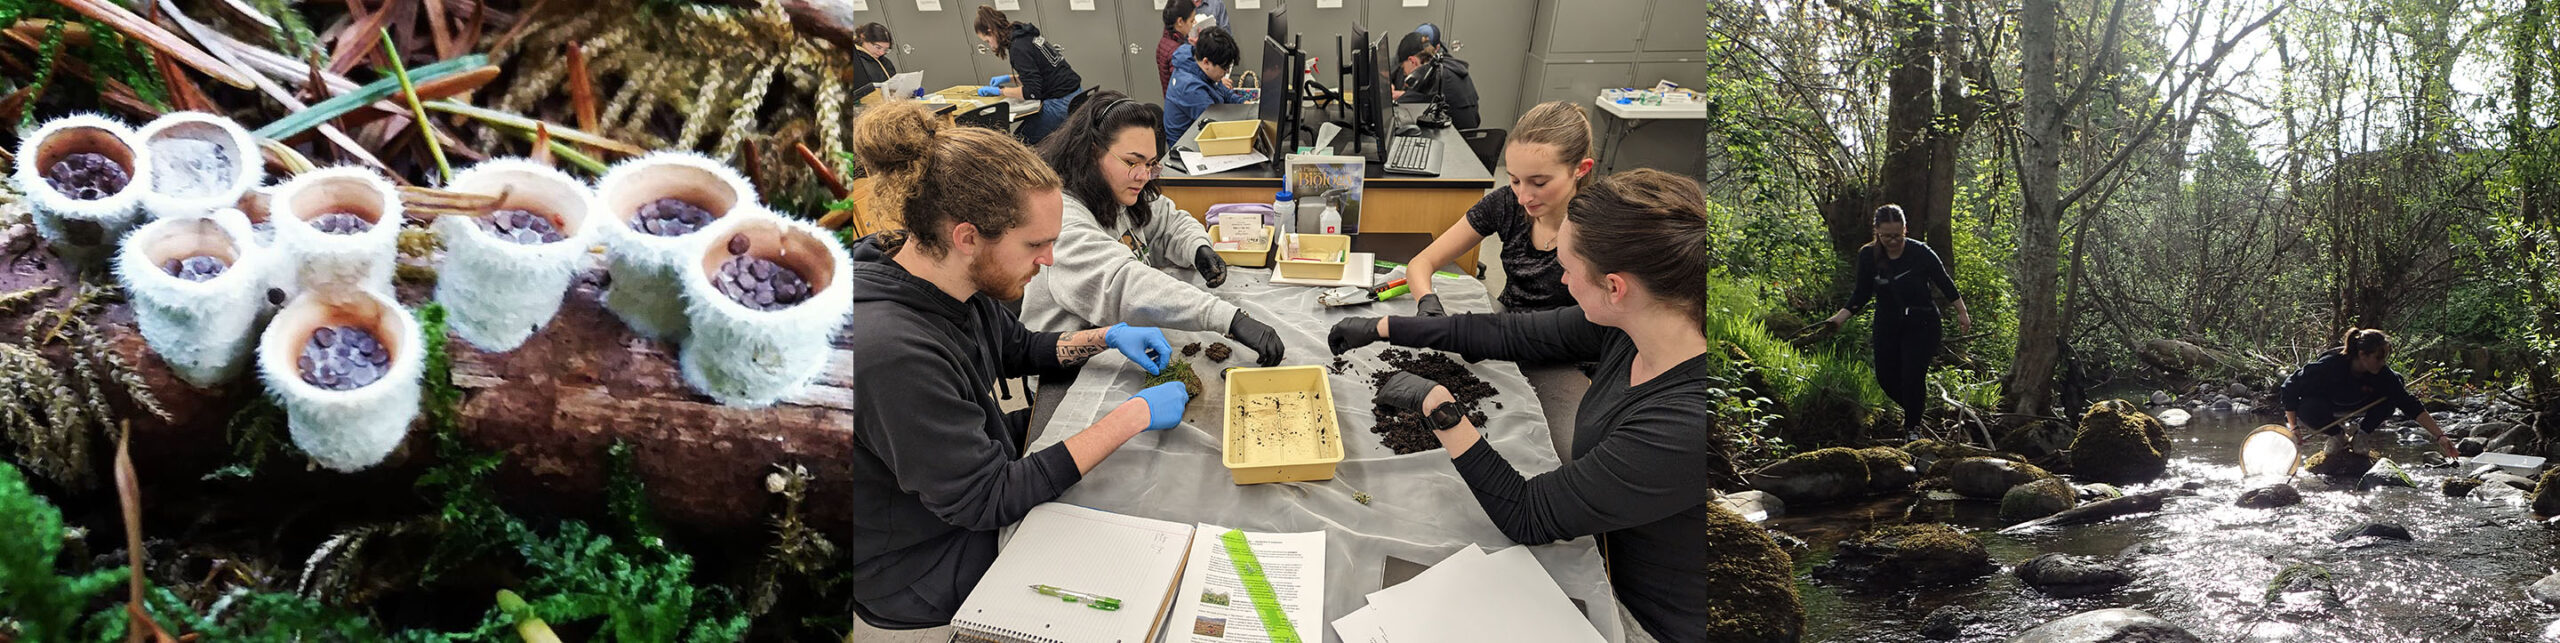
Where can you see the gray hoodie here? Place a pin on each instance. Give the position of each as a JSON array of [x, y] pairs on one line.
[[1104, 276]]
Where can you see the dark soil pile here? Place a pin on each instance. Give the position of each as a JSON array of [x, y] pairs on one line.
[[1218, 352], [1191, 349], [1409, 432]]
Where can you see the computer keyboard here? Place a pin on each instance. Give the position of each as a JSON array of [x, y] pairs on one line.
[[1413, 155]]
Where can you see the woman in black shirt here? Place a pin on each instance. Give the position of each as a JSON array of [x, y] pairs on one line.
[[870, 66], [1634, 253], [1548, 157], [1897, 272], [1040, 66]]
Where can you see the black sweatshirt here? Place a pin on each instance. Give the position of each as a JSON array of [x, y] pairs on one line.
[[1900, 286], [1040, 66], [934, 472], [1639, 474], [869, 70], [2332, 378]]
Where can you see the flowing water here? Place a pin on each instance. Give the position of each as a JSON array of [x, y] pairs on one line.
[[2205, 564]]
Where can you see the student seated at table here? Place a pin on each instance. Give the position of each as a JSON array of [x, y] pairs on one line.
[[1177, 33], [871, 66], [1039, 64], [1548, 158], [1119, 229], [937, 466], [1199, 80], [1634, 249], [1430, 77]]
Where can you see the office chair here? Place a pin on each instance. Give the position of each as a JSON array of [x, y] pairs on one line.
[[996, 116], [1486, 143]]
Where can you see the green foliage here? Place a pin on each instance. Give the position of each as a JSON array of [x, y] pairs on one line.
[[44, 606], [292, 34], [243, 615]]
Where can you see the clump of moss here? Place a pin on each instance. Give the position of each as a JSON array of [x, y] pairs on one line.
[[2120, 444], [1754, 598], [1907, 555], [2459, 487], [1818, 476], [2546, 498], [1179, 371], [1931, 455], [1888, 469], [2038, 499], [2297, 577]]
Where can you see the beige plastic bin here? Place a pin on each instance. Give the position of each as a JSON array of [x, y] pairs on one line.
[[1252, 256], [1300, 448], [1317, 245]]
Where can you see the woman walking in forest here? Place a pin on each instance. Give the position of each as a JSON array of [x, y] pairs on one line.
[[1896, 272]]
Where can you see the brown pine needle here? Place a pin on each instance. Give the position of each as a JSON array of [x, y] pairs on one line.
[[582, 88], [160, 39], [827, 175]]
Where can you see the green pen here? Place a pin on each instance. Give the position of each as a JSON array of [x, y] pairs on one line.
[[1096, 601], [1390, 264]]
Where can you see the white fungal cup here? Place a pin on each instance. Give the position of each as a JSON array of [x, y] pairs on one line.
[[752, 358], [83, 232], [352, 429], [199, 163], [203, 329], [337, 263], [500, 291], [647, 290]]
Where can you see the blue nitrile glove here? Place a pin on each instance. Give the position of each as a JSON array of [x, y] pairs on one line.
[[1164, 404], [1142, 344], [919, 93], [989, 90], [1000, 79]]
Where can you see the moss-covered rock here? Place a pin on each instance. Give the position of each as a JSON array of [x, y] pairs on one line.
[[2269, 497], [1991, 478], [2037, 439], [2038, 499], [2459, 487], [1754, 597], [2546, 499], [1931, 457], [1820, 476], [1888, 469], [1907, 555], [2346, 464], [2118, 443]]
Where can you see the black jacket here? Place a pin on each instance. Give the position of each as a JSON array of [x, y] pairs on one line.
[[1900, 285], [2332, 379], [868, 71], [1041, 66], [1450, 81], [1643, 460], [934, 471]]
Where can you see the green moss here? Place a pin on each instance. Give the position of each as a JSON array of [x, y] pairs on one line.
[[2297, 577], [2119, 444], [1840, 460], [1179, 371], [1887, 468], [2038, 499], [1754, 597]]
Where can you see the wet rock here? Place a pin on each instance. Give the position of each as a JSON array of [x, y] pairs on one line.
[[1796, 548], [2098, 491], [2175, 417], [2343, 464], [2237, 389], [2241, 406], [1907, 555], [2067, 576], [2459, 487], [1888, 469], [1932, 456], [1945, 623], [1754, 505], [1817, 477], [2546, 496], [2378, 530], [2270, 497], [2100, 511], [2302, 591], [2521, 483], [1992, 477], [2162, 398], [2384, 473], [2118, 625], [2546, 590], [2037, 439], [2038, 499], [1754, 596], [2119, 444]]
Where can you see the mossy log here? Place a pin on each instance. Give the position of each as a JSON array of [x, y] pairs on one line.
[[552, 407]]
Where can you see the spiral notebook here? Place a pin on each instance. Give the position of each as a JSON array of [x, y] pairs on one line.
[[1087, 552]]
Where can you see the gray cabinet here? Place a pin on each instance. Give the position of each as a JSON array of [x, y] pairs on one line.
[[1091, 39], [1391, 20], [1677, 26], [1593, 26], [1141, 23], [1686, 73], [1578, 79], [934, 42], [1493, 36]]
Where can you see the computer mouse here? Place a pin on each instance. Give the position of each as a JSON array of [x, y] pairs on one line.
[[1408, 130]]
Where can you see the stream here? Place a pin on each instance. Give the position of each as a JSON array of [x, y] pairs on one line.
[[2205, 564]]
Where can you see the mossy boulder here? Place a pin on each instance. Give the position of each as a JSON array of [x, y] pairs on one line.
[[2037, 439], [1899, 556], [1991, 478], [2063, 575], [2038, 499], [1816, 477], [1754, 597], [2460, 487], [2546, 499], [1930, 456], [1888, 469], [2384, 473], [2269, 497], [2119, 444]]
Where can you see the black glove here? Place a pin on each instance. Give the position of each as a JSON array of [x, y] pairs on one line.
[[1255, 335], [1405, 391], [1211, 267], [1352, 333], [1429, 306]]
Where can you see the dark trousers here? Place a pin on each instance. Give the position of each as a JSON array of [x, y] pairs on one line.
[[1905, 345], [2317, 412]]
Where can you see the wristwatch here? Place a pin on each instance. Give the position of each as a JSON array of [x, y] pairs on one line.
[[1445, 416]]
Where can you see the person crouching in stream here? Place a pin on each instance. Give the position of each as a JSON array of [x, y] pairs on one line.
[[2343, 381]]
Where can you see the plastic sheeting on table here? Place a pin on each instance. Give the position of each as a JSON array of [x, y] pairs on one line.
[[1419, 510]]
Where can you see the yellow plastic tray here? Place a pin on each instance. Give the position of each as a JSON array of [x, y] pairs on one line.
[[1317, 245], [1306, 447], [1251, 256], [1228, 137]]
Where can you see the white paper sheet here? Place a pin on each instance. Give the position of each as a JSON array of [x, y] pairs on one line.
[[1008, 5], [1417, 3], [861, 5], [1328, 4], [1159, 5], [1079, 5], [903, 86], [928, 5], [1119, 556], [1529, 608], [1194, 164], [1293, 563], [1247, 4]]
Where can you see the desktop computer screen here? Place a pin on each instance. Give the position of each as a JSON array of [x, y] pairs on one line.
[[1279, 82]]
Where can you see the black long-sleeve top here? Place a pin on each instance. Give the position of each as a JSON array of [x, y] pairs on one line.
[[869, 70], [1040, 66], [1640, 471], [1900, 285], [2332, 378]]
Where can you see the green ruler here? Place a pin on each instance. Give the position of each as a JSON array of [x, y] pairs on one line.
[[1265, 602]]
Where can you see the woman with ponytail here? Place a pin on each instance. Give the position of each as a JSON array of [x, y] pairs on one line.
[[2342, 381], [1897, 272]]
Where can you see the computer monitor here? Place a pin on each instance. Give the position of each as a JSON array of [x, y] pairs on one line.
[[1279, 82], [1361, 66], [1379, 98]]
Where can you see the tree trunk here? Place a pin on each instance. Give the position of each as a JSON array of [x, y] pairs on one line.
[[2040, 229], [1911, 99], [552, 406]]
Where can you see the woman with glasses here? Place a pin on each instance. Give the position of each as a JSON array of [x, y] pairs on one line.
[[1897, 272], [1118, 229], [871, 65]]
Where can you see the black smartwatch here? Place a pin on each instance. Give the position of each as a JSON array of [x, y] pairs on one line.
[[1445, 416]]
